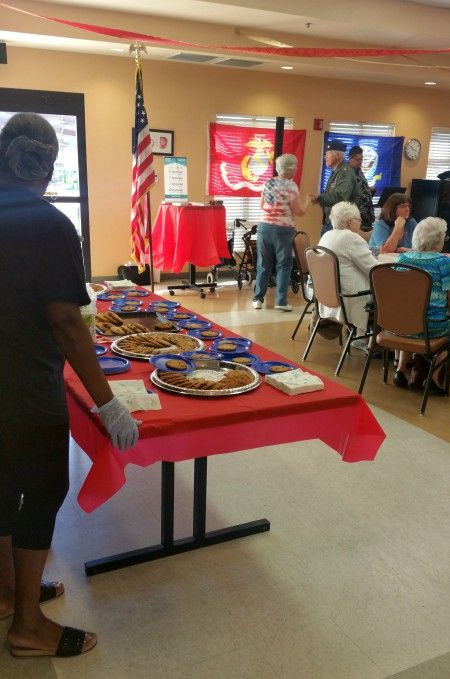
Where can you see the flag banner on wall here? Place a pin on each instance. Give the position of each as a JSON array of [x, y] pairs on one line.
[[142, 178], [382, 158], [241, 158]]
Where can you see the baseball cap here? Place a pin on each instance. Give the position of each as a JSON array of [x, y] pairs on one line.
[[335, 145]]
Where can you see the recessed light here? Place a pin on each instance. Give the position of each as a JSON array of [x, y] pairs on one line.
[[430, 82], [287, 68], [117, 49]]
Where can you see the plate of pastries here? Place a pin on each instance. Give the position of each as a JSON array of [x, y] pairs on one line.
[[224, 379], [145, 345]]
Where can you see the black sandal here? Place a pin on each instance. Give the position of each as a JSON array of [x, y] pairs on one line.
[[70, 644], [49, 591]]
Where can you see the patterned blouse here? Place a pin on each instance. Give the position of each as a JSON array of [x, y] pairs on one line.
[[438, 266]]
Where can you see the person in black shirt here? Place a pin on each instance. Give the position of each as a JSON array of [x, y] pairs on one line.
[[366, 193], [42, 283]]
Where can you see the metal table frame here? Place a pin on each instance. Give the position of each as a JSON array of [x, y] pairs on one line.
[[169, 546]]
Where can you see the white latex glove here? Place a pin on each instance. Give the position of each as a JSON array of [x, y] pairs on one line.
[[121, 427]]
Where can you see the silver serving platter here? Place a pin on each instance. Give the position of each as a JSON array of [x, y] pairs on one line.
[[116, 348], [221, 365]]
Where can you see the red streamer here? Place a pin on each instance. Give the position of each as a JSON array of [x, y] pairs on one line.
[[316, 52]]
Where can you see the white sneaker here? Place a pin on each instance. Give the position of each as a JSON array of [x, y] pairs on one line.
[[283, 307], [257, 304]]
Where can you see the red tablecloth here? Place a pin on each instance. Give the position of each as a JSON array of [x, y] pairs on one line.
[[187, 428], [189, 234]]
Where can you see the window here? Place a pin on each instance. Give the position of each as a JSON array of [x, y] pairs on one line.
[[369, 129], [439, 153], [246, 208]]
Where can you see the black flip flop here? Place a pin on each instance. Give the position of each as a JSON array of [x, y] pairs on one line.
[[49, 591], [70, 644]]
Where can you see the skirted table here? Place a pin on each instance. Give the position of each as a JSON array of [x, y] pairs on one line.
[[193, 428], [189, 234]]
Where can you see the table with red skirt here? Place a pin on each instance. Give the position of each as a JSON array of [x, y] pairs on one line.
[[196, 428], [189, 234]]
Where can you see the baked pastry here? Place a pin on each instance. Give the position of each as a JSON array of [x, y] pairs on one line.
[[176, 364], [163, 326], [227, 346], [243, 360], [279, 369], [209, 333]]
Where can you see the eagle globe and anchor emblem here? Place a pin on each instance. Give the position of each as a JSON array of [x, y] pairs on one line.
[[253, 166]]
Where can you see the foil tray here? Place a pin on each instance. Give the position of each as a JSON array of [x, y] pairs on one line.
[[196, 346], [186, 391]]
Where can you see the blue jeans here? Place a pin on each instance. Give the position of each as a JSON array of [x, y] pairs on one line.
[[274, 248]]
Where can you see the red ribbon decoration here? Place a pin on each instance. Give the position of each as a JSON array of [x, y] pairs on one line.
[[316, 52]]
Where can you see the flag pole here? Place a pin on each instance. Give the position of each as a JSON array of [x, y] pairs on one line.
[[135, 50]]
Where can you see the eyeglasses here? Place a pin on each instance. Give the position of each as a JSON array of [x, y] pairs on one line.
[[356, 219]]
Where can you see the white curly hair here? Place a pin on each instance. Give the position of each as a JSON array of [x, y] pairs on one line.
[[341, 213], [429, 233]]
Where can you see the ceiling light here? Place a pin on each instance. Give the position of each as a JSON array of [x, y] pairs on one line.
[[117, 49], [287, 68], [430, 82]]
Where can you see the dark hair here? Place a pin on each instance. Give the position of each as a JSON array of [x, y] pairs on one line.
[[355, 151], [28, 148], [389, 208]]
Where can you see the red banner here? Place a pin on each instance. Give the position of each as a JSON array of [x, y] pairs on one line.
[[314, 52], [241, 158]]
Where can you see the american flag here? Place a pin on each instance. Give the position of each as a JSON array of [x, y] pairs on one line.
[[143, 177]]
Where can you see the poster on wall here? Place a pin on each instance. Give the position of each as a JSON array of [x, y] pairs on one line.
[[382, 158], [241, 158], [175, 179]]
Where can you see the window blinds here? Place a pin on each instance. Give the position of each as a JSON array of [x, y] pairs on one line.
[[439, 153]]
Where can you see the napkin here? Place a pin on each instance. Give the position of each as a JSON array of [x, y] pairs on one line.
[[134, 395], [294, 382], [122, 284]]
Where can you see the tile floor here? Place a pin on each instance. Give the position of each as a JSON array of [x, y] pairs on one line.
[[352, 582]]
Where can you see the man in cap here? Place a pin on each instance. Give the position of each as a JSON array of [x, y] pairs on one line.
[[340, 186], [364, 201]]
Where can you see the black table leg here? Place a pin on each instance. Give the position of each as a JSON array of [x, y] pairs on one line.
[[169, 546]]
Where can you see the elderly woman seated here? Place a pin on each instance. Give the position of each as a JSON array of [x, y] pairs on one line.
[[427, 242], [355, 262]]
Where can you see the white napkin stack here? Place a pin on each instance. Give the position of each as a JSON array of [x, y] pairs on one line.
[[123, 284], [134, 395], [295, 382]]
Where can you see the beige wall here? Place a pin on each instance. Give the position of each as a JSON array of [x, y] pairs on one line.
[[185, 98]]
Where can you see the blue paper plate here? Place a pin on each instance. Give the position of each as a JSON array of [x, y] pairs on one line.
[[199, 325], [110, 296], [203, 334], [185, 315], [133, 294], [240, 345], [112, 365], [100, 349], [264, 367], [161, 361], [166, 303], [203, 353]]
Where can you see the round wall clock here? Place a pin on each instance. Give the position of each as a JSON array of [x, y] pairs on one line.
[[412, 149]]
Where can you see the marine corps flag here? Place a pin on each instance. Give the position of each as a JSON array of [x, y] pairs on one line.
[[241, 158]]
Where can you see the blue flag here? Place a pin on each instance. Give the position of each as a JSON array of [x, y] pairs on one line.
[[382, 158]]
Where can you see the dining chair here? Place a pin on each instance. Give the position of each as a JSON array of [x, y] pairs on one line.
[[401, 296], [323, 267], [300, 244]]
